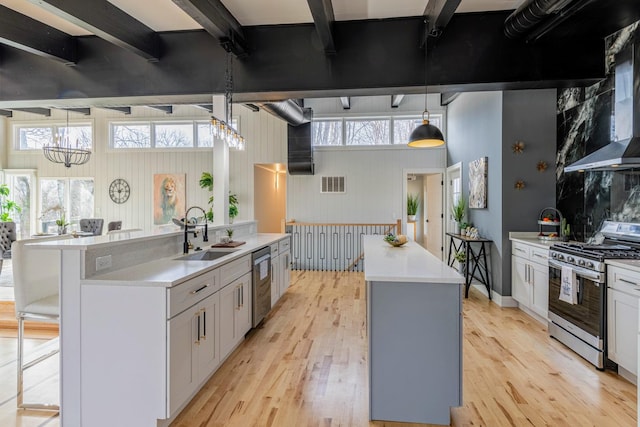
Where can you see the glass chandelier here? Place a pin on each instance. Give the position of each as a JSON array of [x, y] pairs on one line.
[[222, 129], [60, 150]]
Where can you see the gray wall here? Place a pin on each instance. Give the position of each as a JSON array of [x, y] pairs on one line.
[[488, 124]]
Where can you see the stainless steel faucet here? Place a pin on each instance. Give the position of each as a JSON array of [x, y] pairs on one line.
[[205, 238]]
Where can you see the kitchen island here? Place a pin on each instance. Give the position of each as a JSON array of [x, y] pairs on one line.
[[414, 325], [142, 328]]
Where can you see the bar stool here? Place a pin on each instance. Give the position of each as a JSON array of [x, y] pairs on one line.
[[36, 283]]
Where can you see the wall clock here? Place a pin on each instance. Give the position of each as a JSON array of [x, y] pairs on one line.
[[119, 190]]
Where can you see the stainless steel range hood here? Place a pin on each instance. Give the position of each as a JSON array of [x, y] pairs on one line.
[[624, 153]]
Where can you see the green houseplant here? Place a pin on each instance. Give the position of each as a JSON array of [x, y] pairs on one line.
[[412, 206], [62, 223], [206, 182], [7, 207], [457, 212], [461, 257]]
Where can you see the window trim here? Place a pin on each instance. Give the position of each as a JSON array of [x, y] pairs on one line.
[[67, 180], [14, 147]]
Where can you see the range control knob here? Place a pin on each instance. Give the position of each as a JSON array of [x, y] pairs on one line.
[[560, 257], [571, 259], [590, 265], [581, 262], [554, 255]]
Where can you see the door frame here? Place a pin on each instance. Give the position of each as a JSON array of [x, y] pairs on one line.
[[405, 175], [452, 171]]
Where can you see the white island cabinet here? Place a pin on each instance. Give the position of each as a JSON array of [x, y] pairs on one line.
[[414, 325], [138, 341]]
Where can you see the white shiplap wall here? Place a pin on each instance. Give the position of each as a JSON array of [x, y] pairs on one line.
[[266, 142]]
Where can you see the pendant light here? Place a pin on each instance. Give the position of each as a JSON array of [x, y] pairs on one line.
[[426, 135], [61, 150]]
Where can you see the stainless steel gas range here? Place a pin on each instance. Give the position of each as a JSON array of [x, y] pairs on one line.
[[582, 326]]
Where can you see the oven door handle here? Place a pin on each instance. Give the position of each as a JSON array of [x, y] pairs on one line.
[[583, 272]]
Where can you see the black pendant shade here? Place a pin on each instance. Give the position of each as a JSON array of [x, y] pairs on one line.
[[426, 135]]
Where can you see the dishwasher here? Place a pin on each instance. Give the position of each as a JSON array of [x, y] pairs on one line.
[[261, 284]]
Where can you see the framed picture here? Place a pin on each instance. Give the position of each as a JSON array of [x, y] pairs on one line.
[[168, 197], [478, 183]]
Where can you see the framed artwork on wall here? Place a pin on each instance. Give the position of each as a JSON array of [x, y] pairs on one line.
[[169, 197], [478, 183]]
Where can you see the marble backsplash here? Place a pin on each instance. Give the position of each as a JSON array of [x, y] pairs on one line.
[[585, 123]]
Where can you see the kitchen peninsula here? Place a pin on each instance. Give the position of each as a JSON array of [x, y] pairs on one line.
[[141, 328], [414, 325]]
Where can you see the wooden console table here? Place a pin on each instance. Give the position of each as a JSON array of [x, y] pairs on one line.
[[476, 259]]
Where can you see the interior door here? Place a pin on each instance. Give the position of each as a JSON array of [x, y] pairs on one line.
[[433, 220]]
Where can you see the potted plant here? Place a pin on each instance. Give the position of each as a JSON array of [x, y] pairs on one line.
[[461, 257], [565, 230], [206, 182], [230, 234], [457, 212], [62, 223], [7, 207], [233, 207], [412, 206]]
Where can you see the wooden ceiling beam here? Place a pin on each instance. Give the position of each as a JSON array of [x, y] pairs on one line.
[[346, 102], [27, 34], [166, 108], [84, 111], [437, 14], [216, 20], [124, 110], [6, 113], [323, 18], [106, 21], [396, 100], [35, 110]]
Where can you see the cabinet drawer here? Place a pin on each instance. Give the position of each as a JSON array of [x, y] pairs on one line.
[[624, 280], [231, 271], [186, 294], [520, 249], [274, 250], [284, 244], [541, 256]]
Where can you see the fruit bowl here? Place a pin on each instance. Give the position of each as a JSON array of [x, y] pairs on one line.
[[394, 240]]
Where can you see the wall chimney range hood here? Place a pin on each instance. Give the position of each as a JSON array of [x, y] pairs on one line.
[[624, 152]]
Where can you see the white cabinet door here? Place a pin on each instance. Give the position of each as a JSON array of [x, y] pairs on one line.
[[519, 284], [235, 313], [244, 314], [275, 280], [209, 339], [182, 358], [622, 330], [539, 280], [285, 272]]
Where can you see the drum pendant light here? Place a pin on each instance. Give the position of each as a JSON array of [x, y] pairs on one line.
[[426, 135]]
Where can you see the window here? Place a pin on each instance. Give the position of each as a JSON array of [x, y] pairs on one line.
[[35, 137], [72, 196], [163, 134], [364, 131]]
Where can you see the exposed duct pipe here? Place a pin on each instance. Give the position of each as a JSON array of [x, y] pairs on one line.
[[530, 14], [289, 111]]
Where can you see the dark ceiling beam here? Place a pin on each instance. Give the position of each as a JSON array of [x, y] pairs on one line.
[[438, 13], [216, 19], [396, 100], [472, 54], [85, 111], [207, 107], [168, 109], [35, 110], [346, 102], [124, 110], [252, 107], [25, 33], [323, 18], [107, 22], [6, 113], [447, 98]]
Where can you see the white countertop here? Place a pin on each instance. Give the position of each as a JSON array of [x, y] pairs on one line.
[[407, 263], [530, 238], [167, 272], [625, 263]]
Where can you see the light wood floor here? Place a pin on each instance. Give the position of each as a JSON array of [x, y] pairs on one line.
[[307, 366]]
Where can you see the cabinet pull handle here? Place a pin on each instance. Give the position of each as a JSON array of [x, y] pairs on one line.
[[520, 250], [627, 281], [198, 340], [241, 296], [238, 295], [200, 289], [204, 324]]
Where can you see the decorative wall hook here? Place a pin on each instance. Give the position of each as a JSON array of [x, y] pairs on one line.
[[518, 147], [519, 185], [541, 166]]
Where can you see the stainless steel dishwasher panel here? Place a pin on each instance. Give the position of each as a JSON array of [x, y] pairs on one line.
[[261, 284]]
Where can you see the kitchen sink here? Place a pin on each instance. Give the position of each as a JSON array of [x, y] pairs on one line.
[[210, 255]]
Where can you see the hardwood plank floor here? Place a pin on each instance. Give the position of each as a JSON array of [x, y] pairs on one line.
[[307, 366]]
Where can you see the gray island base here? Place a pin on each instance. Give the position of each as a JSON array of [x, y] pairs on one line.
[[414, 319]]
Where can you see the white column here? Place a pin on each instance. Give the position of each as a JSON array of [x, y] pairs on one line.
[[220, 169]]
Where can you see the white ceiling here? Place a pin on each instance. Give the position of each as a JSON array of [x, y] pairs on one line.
[[164, 15]]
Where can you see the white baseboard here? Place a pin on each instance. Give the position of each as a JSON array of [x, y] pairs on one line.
[[496, 298]]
